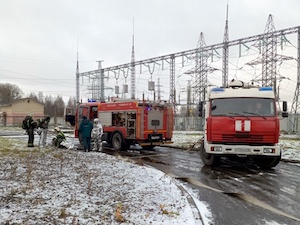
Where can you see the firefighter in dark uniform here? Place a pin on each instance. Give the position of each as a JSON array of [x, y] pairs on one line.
[[30, 126]]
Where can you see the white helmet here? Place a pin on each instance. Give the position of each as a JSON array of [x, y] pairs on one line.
[[96, 120], [57, 129]]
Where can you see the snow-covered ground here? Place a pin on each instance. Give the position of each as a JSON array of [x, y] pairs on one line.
[[63, 186]]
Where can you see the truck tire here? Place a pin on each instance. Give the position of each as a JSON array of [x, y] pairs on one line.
[[267, 163], [208, 159], [118, 143]]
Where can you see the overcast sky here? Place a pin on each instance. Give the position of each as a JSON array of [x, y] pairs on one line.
[[39, 38]]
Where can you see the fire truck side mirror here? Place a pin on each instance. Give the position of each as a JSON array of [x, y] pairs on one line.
[[284, 106], [200, 109], [284, 109]]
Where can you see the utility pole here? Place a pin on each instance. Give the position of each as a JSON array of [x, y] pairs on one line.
[[102, 97], [158, 90], [172, 80]]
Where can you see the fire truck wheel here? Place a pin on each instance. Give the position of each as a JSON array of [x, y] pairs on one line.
[[117, 141], [208, 159], [267, 163]]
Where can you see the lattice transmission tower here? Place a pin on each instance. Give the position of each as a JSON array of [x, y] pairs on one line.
[[269, 54], [201, 69], [296, 103], [97, 87], [269, 57]]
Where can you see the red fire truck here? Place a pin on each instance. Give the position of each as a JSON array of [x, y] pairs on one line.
[[241, 121], [129, 122]]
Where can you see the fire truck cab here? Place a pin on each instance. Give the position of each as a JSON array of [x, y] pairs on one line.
[[241, 120], [130, 122]]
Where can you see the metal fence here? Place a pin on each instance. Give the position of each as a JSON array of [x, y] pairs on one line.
[[182, 123], [288, 125], [16, 121]]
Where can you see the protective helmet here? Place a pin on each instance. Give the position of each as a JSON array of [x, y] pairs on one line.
[[57, 129], [96, 120]]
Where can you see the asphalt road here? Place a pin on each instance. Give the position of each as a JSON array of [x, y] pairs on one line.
[[236, 192]]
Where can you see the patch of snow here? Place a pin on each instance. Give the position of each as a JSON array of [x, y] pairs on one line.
[[62, 186]]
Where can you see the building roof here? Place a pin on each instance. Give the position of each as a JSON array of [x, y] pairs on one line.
[[20, 99]]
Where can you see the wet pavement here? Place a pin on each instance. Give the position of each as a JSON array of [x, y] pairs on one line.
[[237, 192]]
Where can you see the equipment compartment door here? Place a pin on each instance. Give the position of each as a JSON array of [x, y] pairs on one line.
[[131, 125]]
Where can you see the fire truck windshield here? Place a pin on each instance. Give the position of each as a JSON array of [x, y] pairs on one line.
[[243, 107]]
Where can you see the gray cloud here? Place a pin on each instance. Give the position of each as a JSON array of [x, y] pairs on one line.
[[38, 41]]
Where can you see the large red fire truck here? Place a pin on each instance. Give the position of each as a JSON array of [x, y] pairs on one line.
[[241, 121], [130, 122]]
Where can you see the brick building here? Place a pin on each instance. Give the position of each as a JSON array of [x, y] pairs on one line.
[[12, 114]]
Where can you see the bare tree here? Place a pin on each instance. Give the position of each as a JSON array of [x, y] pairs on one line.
[[71, 102], [59, 106], [9, 92], [54, 107], [32, 95], [49, 105], [41, 97]]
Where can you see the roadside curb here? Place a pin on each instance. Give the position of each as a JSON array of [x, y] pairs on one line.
[[190, 199]]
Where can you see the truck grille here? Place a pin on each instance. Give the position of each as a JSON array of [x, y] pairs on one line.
[[241, 137]]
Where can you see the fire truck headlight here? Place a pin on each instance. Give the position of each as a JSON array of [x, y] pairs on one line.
[[269, 150], [216, 149]]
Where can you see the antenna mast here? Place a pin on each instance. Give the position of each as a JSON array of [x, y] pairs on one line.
[[225, 52], [77, 77], [132, 87]]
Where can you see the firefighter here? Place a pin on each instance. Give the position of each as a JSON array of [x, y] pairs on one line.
[[44, 126], [97, 132], [59, 138], [85, 129], [29, 125]]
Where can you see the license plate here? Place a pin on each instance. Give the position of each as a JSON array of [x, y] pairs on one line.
[[155, 137], [242, 150]]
